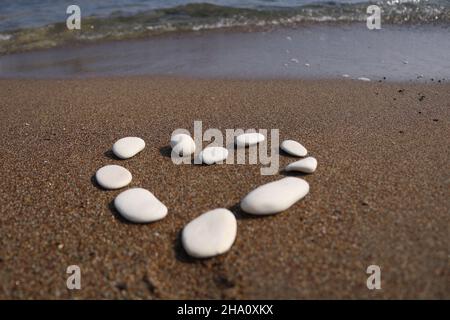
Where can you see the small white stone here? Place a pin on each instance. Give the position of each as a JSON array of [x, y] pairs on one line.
[[140, 206], [307, 65], [211, 155], [363, 79], [249, 139], [275, 196], [295, 60], [210, 234], [128, 147], [346, 75], [293, 148], [307, 165], [182, 144], [113, 177]]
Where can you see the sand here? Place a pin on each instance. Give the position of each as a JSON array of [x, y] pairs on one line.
[[379, 195]]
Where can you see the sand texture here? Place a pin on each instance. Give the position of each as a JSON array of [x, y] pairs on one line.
[[380, 194]]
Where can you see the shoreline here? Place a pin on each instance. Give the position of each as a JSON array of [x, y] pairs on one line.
[[152, 19], [312, 52], [378, 195]]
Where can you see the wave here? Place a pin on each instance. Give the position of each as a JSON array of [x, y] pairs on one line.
[[204, 16]]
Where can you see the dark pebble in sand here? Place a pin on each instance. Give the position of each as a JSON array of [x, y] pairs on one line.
[[401, 90], [151, 287], [421, 98], [435, 120], [401, 131], [122, 286], [223, 282]]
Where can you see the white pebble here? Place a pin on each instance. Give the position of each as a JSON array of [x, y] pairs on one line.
[[307, 65], [364, 79], [128, 147], [293, 148], [113, 177], [140, 206], [210, 234], [275, 196], [249, 139], [295, 60], [307, 165], [346, 75], [211, 155], [182, 144]]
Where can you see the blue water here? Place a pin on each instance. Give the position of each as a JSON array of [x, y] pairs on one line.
[[18, 14], [27, 25]]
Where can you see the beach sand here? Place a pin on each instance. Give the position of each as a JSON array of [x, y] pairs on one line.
[[379, 195]]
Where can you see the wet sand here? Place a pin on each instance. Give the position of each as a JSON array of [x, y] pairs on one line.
[[398, 53], [379, 195]]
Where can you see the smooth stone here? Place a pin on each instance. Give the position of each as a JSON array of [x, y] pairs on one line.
[[128, 147], [113, 177], [211, 155], [363, 79], [249, 139], [293, 148], [275, 196], [307, 165], [182, 144], [210, 234], [140, 206]]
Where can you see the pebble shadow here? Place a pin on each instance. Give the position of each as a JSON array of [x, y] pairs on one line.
[[293, 173], [283, 153], [117, 215], [165, 151], [181, 254], [110, 155], [241, 215], [95, 183]]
